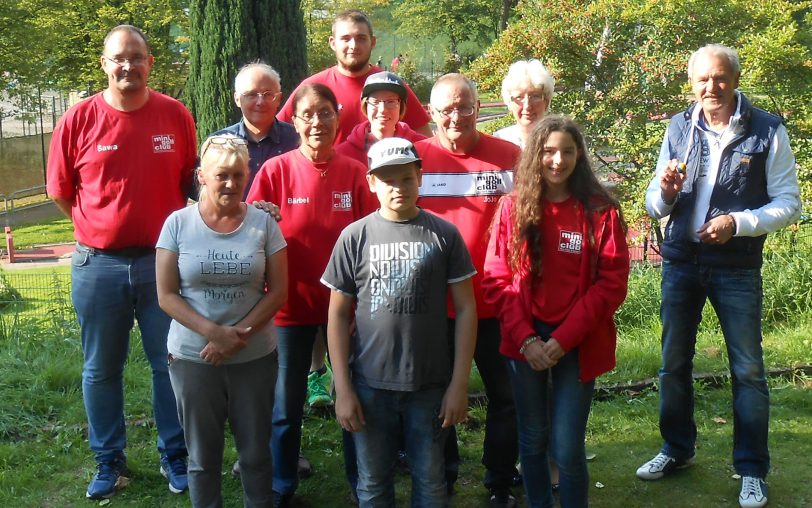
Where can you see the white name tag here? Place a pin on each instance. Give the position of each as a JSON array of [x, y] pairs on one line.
[[483, 183]]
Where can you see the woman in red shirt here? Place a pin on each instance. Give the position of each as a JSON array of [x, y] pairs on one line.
[[556, 270]]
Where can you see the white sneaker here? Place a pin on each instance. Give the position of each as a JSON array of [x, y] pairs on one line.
[[753, 493], [660, 466]]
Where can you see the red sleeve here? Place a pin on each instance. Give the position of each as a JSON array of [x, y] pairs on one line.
[[499, 286], [416, 116], [285, 114], [607, 292], [262, 188], [61, 173], [187, 179]]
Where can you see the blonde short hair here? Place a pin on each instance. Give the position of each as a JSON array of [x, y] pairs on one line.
[[215, 155]]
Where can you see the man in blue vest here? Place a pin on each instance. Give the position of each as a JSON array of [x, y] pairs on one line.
[[726, 176]]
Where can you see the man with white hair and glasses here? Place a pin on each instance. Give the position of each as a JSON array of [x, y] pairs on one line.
[[258, 93], [465, 172], [726, 176]]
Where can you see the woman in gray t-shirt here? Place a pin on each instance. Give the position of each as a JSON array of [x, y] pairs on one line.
[[222, 275]]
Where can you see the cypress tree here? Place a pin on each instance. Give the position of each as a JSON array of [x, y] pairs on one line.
[[227, 34]]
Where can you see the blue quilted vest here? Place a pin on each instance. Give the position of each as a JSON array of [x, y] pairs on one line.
[[741, 184]]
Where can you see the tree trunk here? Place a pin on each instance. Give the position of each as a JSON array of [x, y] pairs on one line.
[[507, 7], [227, 34]]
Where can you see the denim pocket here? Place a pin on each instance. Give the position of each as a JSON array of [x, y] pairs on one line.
[[80, 257]]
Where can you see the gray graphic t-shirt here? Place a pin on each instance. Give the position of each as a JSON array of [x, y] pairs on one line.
[[399, 273], [222, 276]]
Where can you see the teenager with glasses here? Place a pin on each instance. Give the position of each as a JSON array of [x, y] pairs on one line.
[[383, 103]]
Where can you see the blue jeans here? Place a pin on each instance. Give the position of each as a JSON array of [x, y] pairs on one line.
[[552, 423], [735, 294], [500, 449], [109, 292], [295, 351], [385, 411]]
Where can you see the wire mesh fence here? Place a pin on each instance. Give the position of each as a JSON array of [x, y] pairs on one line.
[[36, 297]]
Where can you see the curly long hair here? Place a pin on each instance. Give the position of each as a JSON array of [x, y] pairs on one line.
[[530, 189]]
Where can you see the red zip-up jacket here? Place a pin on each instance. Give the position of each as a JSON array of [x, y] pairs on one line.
[[355, 145], [589, 325]]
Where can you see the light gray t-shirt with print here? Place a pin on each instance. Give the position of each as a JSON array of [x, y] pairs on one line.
[[222, 276], [399, 273]]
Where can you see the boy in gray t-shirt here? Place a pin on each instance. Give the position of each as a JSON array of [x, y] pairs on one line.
[[397, 266]]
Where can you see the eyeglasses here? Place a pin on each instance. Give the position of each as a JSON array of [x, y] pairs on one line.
[[323, 116], [531, 98], [222, 140], [387, 104], [134, 61], [267, 95], [462, 111]]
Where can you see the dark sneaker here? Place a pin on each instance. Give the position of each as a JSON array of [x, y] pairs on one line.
[[753, 493], [660, 466], [502, 498], [174, 470], [107, 479], [282, 500], [304, 468]]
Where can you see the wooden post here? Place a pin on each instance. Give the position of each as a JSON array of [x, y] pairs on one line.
[[10, 244]]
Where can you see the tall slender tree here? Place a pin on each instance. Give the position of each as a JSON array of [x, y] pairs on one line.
[[225, 35]]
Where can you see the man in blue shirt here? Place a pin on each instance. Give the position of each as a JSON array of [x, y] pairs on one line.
[[258, 93]]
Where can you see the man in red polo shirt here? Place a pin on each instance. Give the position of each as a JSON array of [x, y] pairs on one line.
[[120, 163], [464, 174], [352, 41]]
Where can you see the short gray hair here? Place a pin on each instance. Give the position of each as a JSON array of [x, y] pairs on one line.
[[257, 64], [454, 77], [720, 50], [531, 71]]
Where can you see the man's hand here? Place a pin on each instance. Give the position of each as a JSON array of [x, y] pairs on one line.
[[268, 207], [349, 413], [454, 408], [671, 181], [718, 230]]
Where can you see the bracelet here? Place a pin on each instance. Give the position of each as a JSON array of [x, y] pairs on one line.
[[527, 342]]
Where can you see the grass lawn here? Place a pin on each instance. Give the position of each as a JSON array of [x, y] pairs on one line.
[[57, 230], [44, 460]]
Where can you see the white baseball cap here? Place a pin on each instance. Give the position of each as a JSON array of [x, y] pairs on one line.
[[391, 152]]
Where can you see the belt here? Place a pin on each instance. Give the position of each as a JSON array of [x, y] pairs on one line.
[[126, 252]]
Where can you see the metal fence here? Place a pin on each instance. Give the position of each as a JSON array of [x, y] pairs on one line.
[[36, 296]]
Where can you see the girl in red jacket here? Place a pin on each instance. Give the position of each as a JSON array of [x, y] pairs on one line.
[[556, 270]]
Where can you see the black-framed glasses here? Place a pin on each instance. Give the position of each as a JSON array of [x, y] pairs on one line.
[[462, 111], [121, 62], [222, 140], [267, 95], [324, 115], [387, 104]]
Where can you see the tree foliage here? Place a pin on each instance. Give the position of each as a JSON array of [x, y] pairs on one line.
[[318, 20], [473, 20], [56, 45], [620, 68], [225, 35]]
